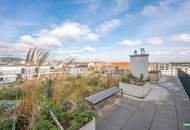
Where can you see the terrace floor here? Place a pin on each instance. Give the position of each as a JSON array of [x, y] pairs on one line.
[[166, 107]]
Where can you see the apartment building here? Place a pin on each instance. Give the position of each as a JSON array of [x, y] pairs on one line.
[[162, 67], [170, 68], [11, 72], [173, 68]]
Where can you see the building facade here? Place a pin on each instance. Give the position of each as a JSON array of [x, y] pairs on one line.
[[170, 68], [12, 72]]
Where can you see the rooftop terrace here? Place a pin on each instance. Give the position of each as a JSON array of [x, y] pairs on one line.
[[166, 107]]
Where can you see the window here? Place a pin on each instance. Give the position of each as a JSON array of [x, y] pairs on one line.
[[36, 70], [22, 70]]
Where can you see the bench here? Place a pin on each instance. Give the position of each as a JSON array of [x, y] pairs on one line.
[[94, 99]]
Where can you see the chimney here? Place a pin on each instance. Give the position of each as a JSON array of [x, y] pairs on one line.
[[135, 52], [142, 51]]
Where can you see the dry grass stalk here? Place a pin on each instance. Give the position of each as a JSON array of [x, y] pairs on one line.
[[29, 103]]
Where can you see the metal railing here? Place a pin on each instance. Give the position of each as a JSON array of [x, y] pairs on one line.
[[185, 80]]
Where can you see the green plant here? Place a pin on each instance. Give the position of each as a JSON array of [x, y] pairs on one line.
[[22, 122], [148, 79], [6, 124], [65, 118], [65, 104], [82, 105], [130, 76], [125, 79], [80, 119], [11, 93], [6, 106], [47, 88], [141, 77], [43, 124], [47, 107], [86, 116], [93, 82], [74, 124]]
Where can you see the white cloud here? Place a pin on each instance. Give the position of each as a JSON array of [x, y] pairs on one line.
[[97, 57], [149, 10], [88, 49], [170, 54], [181, 38], [66, 32], [162, 6], [71, 31], [72, 53], [9, 49], [120, 7], [108, 26], [91, 37], [130, 42], [155, 40], [52, 39], [41, 42]]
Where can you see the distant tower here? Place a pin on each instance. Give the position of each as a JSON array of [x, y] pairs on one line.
[[139, 64]]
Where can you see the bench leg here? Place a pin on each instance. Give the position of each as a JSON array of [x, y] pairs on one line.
[[122, 93], [92, 106]]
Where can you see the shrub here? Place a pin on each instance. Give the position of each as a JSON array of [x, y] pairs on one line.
[[86, 116], [126, 80], [82, 105], [74, 124], [65, 104], [11, 93], [93, 82], [6, 106], [47, 88], [80, 119], [6, 124], [22, 122], [47, 107], [43, 124], [141, 77], [64, 118]]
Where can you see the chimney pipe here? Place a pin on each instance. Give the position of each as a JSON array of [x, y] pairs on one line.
[[135, 52], [142, 51]]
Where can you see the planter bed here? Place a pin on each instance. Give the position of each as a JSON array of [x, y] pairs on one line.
[[91, 125], [135, 90]]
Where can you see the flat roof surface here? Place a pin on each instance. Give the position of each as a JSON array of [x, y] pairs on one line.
[[166, 107], [139, 55]]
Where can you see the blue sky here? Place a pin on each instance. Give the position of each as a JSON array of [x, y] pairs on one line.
[[106, 30]]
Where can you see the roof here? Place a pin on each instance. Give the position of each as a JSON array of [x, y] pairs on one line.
[[120, 64], [139, 55], [154, 71]]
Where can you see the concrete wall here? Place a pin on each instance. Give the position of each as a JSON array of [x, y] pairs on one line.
[[90, 126], [139, 65], [135, 90]]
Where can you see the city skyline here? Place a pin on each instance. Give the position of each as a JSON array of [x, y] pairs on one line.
[[107, 30]]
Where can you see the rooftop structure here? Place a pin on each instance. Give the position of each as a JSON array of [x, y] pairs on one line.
[[139, 64]]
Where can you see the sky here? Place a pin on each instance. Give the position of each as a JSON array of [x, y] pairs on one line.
[[107, 30]]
